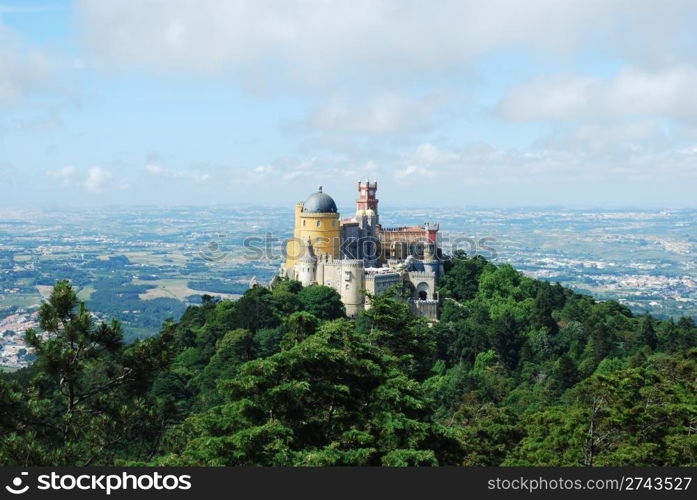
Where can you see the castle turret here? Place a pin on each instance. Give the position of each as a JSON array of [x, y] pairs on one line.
[[306, 268], [318, 219], [430, 262], [367, 203], [431, 230], [352, 286]]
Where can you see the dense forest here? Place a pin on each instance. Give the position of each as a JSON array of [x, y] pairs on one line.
[[516, 372]]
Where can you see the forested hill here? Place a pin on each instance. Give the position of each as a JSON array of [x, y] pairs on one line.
[[517, 372]]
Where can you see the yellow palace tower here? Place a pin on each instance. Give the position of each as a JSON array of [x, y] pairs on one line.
[[317, 220]]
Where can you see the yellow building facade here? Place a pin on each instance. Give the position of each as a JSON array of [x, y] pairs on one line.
[[317, 219]]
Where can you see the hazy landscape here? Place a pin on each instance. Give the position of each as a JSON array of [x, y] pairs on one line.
[[145, 265]]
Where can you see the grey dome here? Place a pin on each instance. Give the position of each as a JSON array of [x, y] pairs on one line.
[[320, 203]]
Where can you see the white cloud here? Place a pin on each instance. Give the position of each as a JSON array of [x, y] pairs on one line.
[[314, 40], [63, 175], [23, 69], [426, 162], [428, 153], [194, 175], [413, 173], [627, 155], [546, 98], [608, 165], [191, 175], [154, 169], [670, 92], [97, 179], [619, 139], [387, 113]]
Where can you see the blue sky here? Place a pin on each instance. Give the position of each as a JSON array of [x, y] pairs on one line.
[[490, 103]]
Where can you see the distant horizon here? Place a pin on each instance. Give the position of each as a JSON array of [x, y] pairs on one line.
[[343, 207]]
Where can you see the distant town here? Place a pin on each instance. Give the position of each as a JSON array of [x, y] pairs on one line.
[[145, 266]]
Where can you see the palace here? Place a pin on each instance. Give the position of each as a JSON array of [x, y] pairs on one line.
[[358, 255]]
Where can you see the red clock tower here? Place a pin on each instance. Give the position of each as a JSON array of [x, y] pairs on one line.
[[366, 196]]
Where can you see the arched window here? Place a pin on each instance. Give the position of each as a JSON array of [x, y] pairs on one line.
[[319, 223], [422, 291], [304, 222]]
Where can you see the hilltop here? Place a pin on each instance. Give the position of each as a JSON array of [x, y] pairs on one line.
[[516, 372]]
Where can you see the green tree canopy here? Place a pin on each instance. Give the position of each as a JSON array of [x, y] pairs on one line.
[[322, 301]]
